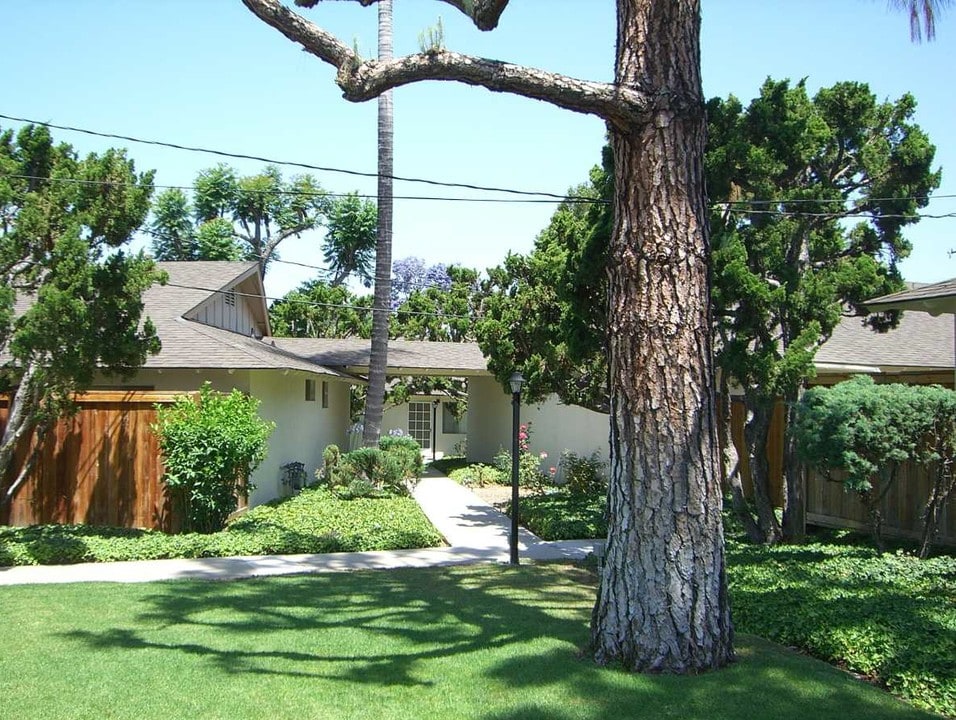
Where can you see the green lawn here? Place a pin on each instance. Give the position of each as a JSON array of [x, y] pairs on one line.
[[472, 642]]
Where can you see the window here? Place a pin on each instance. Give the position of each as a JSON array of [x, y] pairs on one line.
[[451, 425], [325, 394], [310, 390]]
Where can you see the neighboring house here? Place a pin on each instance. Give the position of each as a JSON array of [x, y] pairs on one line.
[[919, 351], [212, 320]]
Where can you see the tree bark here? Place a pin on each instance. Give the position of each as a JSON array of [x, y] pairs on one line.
[[795, 505], [757, 432], [20, 423], [662, 604], [381, 305]]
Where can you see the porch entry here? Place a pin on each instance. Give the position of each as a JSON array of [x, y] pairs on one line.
[[420, 423]]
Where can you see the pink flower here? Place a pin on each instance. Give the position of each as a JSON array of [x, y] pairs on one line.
[[543, 455], [553, 470]]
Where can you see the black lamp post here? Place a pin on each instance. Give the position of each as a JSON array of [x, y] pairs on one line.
[[516, 381]]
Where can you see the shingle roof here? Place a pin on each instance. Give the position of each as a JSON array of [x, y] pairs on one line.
[[404, 356], [919, 341], [936, 298]]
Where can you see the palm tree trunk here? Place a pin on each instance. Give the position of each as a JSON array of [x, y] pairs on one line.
[[378, 360]]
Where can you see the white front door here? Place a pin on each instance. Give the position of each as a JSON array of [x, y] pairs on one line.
[[420, 423]]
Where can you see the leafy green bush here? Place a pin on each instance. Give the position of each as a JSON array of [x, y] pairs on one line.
[[407, 451], [314, 521], [564, 516], [529, 463], [479, 475], [380, 471], [210, 446], [583, 475], [867, 431]]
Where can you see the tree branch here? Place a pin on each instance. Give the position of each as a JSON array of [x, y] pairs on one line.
[[484, 13], [363, 80]]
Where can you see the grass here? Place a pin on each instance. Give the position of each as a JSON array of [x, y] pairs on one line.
[[472, 642], [314, 521]]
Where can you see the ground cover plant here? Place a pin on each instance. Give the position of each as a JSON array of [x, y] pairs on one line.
[[469, 642], [889, 617], [313, 521]]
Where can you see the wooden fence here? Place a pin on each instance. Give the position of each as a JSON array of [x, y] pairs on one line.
[[100, 467], [829, 505]]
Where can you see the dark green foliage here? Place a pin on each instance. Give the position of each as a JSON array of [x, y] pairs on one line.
[[210, 444], [316, 309], [232, 217], [65, 221], [891, 618], [561, 285], [314, 521], [583, 475], [372, 472], [564, 516], [407, 451], [867, 431]]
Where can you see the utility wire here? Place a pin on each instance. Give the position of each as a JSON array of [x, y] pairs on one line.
[[288, 163], [732, 205], [327, 194]]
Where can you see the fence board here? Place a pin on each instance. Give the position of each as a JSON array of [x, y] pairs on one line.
[[99, 467], [829, 505]]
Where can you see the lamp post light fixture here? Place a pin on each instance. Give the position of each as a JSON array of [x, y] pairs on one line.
[[516, 381]]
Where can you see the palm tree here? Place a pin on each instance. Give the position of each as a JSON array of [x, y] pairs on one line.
[[923, 14], [375, 399]]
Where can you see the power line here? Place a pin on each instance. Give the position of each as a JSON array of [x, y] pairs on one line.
[[733, 205], [325, 193], [287, 163]]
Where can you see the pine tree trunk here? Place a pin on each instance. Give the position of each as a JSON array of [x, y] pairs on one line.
[[757, 433], [20, 422], [662, 604], [378, 360], [795, 504]]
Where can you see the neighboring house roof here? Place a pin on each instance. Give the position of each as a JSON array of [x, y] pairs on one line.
[[188, 343], [919, 342], [405, 357], [935, 299]]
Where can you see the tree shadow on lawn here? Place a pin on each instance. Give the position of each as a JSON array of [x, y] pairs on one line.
[[367, 627], [434, 628]]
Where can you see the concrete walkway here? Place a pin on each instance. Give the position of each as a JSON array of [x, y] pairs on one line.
[[475, 531]]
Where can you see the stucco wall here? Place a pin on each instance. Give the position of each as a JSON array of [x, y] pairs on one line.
[[303, 428], [554, 427]]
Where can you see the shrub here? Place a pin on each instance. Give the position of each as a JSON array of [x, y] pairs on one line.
[[331, 457], [583, 475], [479, 475], [407, 451], [529, 463], [564, 516], [210, 446], [867, 431]]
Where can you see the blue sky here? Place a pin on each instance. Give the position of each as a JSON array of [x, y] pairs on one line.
[[208, 73]]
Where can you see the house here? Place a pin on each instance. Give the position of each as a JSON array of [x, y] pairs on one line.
[[212, 320]]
